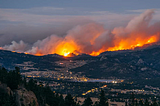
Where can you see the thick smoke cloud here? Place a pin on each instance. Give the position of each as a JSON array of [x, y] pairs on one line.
[[93, 38], [19, 47]]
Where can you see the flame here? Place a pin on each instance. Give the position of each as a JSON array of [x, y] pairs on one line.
[[65, 48], [152, 39], [123, 44], [37, 54], [66, 54]]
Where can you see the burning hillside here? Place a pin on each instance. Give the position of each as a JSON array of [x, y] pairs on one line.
[[94, 38]]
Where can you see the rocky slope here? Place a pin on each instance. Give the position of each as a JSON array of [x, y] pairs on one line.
[[21, 96]]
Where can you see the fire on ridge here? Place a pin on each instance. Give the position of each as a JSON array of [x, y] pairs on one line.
[[67, 48], [93, 38]]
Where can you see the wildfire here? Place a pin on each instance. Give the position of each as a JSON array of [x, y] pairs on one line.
[[152, 39], [39, 53], [137, 43], [65, 48], [94, 38], [68, 47]]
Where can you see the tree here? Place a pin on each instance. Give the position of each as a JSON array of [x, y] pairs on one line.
[[132, 99], [87, 102], [31, 85], [76, 104], [69, 101], [155, 103], [140, 102], [24, 82], [3, 75], [57, 95], [96, 103], [146, 102], [18, 75], [61, 100], [34, 103], [103, 99], [126, 103], [136, 102], [14, 78]]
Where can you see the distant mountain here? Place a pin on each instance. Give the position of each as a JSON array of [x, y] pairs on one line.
[[140, 63], [10, 59], [124, 64]]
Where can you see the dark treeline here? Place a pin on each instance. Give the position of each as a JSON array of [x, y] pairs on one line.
[[45, 95], [135, 102], [12, 79]]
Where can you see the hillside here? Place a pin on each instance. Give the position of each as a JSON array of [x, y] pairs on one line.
[[127, 64], [117, 64]]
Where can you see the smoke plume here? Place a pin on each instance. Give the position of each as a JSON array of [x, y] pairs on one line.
[[93, 38]]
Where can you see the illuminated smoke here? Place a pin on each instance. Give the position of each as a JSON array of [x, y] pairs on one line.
[[93, 38]]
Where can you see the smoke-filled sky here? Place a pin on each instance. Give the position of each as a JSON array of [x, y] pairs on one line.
[[39, 25]]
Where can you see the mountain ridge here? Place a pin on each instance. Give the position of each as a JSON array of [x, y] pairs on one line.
[[109, 64]]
